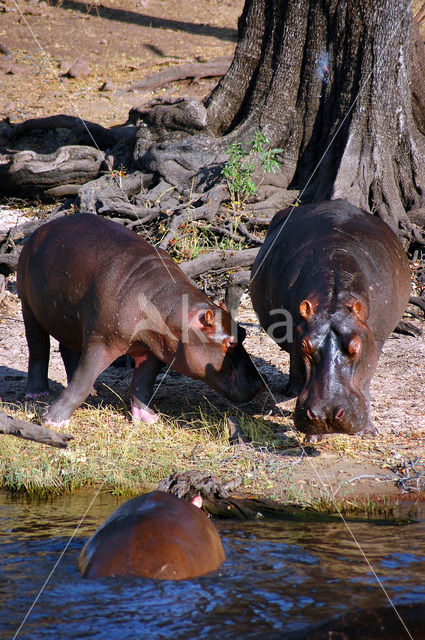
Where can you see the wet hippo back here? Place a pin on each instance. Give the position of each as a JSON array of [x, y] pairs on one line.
[[155, 535]]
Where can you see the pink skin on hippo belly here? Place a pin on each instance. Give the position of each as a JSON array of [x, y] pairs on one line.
[[113, 294], [155, 535]]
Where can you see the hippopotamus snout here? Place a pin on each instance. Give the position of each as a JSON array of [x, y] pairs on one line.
[[316, 413]]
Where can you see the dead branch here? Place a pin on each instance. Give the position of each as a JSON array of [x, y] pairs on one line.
[[214, 68], [418, 302], [30, 431], [219, 231], [212, 201], [248, 235], [8, 263], [61, 121], [236, 436], [71, 164], [408, 329], [226, 259]]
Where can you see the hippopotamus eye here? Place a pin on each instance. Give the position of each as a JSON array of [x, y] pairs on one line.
[[354, 346]]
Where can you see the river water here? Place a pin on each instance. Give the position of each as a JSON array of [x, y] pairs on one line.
[[281, 579]]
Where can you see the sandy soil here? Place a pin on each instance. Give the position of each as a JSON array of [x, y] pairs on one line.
[[123, 42]]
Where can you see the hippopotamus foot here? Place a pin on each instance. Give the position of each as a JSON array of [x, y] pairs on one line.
[[51, 423], [141, 412], [35, 396], [147, 367], [37, 381]]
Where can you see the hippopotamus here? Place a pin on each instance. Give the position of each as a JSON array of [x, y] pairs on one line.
[[155, 535], [329, 285], [102, 291]]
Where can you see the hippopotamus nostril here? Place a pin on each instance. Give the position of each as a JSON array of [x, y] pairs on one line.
[[311, 415], [339, 413]]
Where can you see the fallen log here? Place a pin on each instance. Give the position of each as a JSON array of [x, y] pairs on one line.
[[8, 263], [30, 170], [418, 302], [219, 260], [30, 431], [214, 68]]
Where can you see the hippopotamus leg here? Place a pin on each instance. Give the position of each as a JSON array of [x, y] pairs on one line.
[[94, 359], [39, 349], [71, 359], [146, 369], [295, 382]]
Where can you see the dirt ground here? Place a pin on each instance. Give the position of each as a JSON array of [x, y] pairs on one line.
[[123, 42]]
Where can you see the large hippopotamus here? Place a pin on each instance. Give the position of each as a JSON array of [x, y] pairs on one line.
[[155, 535], [329, 285], [102, 292]]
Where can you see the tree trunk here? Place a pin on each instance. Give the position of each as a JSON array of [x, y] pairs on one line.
[[337, 84], [329, 82]]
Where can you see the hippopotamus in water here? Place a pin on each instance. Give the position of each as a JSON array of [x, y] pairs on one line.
[[102, 292], [329, 285], [155, 535]]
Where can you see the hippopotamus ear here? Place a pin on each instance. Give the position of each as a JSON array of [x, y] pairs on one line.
[[358, 309], [306, 309], [208, 319]]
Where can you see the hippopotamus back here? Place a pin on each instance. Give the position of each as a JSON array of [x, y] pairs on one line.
[[155, 535]]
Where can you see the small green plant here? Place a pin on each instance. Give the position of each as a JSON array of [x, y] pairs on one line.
[[239, 170]]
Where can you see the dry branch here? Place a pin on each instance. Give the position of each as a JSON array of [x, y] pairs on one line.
[[30, 431], [248, 235], [226, 259], [212, 201], [62, 121], [214, 68], [8, 263], [418, 302]]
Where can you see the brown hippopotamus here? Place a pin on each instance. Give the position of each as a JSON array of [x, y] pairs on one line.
[[156, 535], [102, 292], [329, 285]]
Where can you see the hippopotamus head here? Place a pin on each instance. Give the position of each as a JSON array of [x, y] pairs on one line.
[[336, 355], [211, 349]]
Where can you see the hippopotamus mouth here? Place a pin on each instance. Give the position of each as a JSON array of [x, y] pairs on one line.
[[340, 421], [239, 394]]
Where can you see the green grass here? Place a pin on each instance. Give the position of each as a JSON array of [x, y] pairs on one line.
[[127, 458]]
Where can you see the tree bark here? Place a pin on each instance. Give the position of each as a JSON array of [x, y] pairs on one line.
[[330, 82], [337, 84]]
